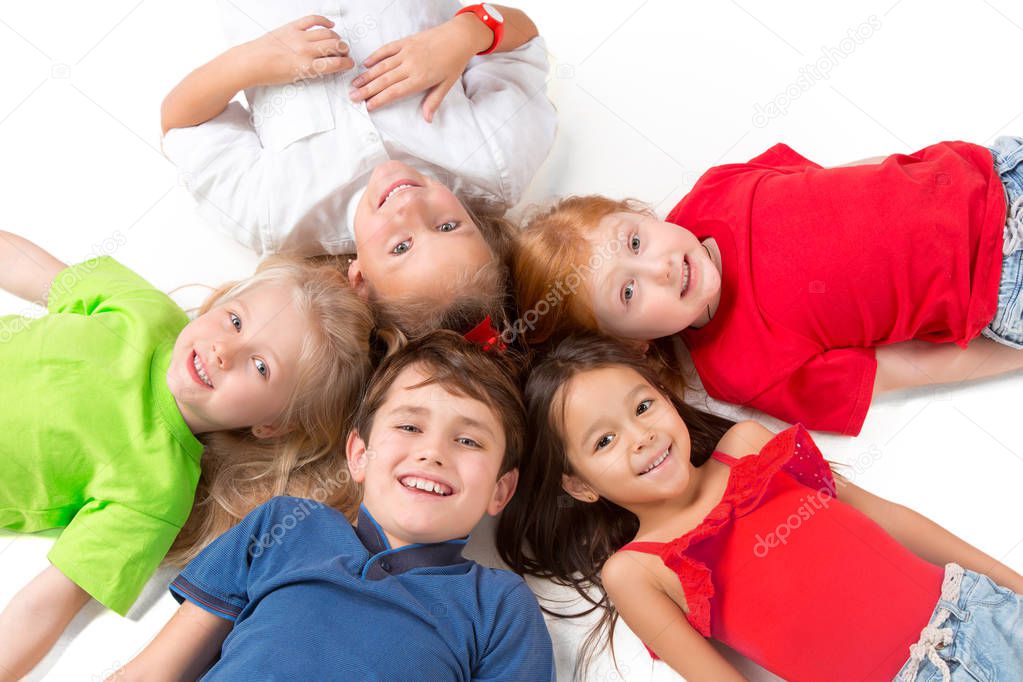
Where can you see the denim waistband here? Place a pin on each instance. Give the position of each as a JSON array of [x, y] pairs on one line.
[[935, 637]]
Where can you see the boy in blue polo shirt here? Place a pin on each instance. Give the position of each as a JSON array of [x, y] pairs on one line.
[[296, 591]]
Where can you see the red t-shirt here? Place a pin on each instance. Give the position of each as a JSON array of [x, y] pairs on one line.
[[789, 575], [820, 265]]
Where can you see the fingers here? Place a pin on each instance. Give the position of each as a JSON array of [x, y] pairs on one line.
[[372, 82], [434, 98], [312, 20], [388, 50], [400, 89], [328, 65], [328, 48], [320, 34]]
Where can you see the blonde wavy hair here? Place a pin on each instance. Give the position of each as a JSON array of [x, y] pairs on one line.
[[240, 471]]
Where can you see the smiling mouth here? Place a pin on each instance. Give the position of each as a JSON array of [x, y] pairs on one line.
[[395, 189], [685, 276], [426, 485], [199, 373], [657, 462]]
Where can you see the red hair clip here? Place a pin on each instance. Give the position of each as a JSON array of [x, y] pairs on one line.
[[486, 335]]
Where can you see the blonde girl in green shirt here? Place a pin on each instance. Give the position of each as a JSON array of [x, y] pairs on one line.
[[111, 401]]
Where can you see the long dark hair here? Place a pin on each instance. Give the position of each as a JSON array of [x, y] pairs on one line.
[[547, 533]]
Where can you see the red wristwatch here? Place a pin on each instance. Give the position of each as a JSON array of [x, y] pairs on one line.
[[489, 15]]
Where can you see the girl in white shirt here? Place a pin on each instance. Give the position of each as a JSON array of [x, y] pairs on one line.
[[413, 191]]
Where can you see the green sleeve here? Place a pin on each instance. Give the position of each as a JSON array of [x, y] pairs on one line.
[[110, 550], [86, 288]]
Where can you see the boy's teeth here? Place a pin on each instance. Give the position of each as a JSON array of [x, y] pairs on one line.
[[685, 277], [425, 485]]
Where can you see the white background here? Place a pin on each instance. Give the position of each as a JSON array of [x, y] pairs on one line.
[[649, 95]]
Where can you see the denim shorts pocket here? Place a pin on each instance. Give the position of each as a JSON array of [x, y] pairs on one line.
[[988, 593], [1007, 325], [1007, 155]]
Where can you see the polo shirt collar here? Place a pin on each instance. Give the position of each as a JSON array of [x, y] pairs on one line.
[[385, 561]]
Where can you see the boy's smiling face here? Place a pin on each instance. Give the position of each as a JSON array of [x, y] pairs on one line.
[[413, 236], [430, 468]]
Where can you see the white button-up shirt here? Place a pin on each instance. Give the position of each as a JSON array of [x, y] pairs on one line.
[[287, 173]]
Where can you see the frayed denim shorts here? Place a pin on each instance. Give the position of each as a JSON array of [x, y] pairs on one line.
[[1007, 325], [975, 633]]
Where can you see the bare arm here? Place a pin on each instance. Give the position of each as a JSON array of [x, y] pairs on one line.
[[862, 162], [656, 619], [919, 363], [926, 539], [916, 532], [34, 619], [295, 51], [184, 649], [519, 29], [26, 269]]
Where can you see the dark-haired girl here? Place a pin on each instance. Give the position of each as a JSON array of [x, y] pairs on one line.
[[694, 528]]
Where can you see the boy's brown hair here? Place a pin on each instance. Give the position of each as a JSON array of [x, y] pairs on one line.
[[463, 368]]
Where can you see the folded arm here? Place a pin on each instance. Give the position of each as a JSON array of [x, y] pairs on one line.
[[433, 60], [304, 48]]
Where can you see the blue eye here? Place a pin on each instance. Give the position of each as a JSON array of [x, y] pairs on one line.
[[447, 227], [408, 428], [236, 321], [469, 442], [628, 291], [644, 406], [261, 367], [402, 247], [634, 242]]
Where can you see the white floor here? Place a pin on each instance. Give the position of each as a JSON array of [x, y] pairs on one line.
[[650, 93]]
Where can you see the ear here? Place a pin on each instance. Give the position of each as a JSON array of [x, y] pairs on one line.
[[262, 431], [356, 279], [503, 492], [356, 455], [578, 488]]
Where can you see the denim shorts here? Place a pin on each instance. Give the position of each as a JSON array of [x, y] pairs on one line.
[[1007, 325], [975, 633]]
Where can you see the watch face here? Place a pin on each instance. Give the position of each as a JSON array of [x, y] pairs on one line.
[[492, 11]]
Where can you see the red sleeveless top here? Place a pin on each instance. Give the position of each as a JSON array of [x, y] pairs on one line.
[[787, 574]]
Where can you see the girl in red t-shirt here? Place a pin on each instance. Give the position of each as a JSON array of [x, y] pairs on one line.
[[800, 290], [692, 527]]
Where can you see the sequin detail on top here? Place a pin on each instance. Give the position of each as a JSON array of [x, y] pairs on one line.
[[793, 452]]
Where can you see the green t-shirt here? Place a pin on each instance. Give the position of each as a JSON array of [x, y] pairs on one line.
[[91, 439]]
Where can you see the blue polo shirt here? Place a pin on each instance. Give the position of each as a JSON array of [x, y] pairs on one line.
[[314, 598]]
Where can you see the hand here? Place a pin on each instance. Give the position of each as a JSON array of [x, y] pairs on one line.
[[295, 51], [432, 60]]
